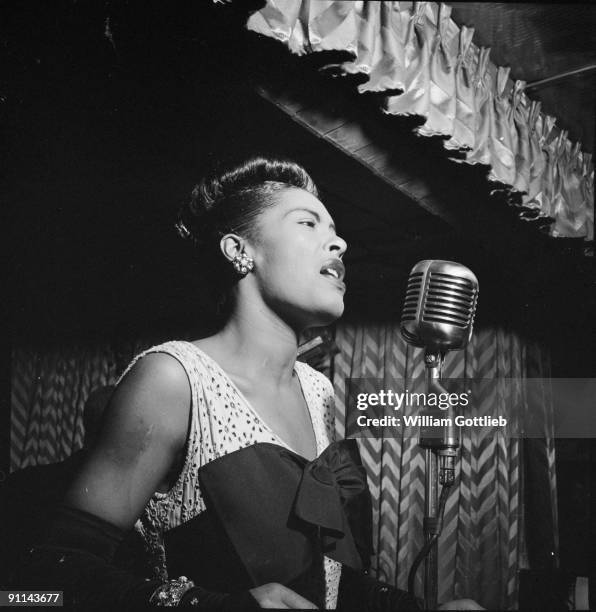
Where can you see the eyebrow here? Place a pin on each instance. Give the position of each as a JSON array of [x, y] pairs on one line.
[[312, 212]]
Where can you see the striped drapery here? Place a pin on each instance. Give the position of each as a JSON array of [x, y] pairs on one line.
[[49, 388], [482, 546], [429, 67]]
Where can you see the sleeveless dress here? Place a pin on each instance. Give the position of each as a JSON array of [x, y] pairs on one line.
[[223, 421]]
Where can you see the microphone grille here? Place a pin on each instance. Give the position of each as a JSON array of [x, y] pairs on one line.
[[449, 299], [439, 305], [412, 292], [410, 308]]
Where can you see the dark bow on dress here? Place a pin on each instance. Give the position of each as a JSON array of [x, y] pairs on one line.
[[332, 490], [279, 510]]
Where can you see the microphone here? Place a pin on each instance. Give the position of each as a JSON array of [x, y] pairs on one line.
[[439, 307], [438, 315]]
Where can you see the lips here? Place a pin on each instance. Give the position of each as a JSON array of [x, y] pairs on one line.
[[334, 268]]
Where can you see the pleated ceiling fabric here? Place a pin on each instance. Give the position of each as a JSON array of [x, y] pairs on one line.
[[428, 66]]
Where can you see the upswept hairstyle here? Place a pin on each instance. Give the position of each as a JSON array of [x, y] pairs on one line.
[[230, 201]]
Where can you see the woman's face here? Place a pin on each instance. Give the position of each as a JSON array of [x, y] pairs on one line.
[[298, 260]]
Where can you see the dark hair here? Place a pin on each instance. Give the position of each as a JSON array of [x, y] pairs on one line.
[[230, 200]]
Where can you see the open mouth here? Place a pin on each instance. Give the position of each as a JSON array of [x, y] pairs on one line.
[[334, 269]]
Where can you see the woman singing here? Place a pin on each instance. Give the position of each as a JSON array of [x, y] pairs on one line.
[[220, 452]]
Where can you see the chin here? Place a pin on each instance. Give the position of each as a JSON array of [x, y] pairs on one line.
[[330, 314]]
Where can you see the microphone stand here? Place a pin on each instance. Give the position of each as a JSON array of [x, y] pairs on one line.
[[440, 456], [438, 314]]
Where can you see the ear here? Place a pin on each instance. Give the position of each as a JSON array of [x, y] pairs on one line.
[[231, 245]]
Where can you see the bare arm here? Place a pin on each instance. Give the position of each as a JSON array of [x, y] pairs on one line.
[[143, 433], [140, 444]]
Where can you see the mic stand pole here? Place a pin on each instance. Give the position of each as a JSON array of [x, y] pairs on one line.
[[433, 363], [431, 570], [440, 455]]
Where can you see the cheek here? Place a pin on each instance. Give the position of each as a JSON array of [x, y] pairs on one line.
[[287, 262], [288, 277]]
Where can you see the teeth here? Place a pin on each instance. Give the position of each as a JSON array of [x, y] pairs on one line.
[[332, 272]]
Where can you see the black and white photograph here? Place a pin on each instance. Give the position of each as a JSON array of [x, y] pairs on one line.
[[300, 305]]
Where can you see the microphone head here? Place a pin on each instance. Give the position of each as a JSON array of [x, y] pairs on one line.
[[439, 306]]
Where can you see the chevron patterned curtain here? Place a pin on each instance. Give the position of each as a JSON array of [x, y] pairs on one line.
[[49, 388], [483, 543]]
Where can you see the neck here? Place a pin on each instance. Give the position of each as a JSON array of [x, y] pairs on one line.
[[258, 344]]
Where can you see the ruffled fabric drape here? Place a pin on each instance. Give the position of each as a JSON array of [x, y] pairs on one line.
[[416, 49], [521, 120], [480, 152], [483, 544], [556, 149], [536, 160], [387, 65], [416, 95], [372, 47], [537, 200], [503, 141], [462, 137], [443, 100]]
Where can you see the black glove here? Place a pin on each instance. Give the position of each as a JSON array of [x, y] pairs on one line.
[[75, 557], [358, 592]]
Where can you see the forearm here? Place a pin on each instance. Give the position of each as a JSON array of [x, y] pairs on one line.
[[362, 593], [76, 557]]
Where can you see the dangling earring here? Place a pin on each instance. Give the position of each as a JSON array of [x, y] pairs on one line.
[[243, 264]]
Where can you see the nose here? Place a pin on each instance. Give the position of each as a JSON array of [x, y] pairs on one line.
[[338, 246]]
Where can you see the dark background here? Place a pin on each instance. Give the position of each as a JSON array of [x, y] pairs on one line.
[[111, 111]]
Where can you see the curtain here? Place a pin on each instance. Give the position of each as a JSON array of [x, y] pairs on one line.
[[49, 388], [483, 544], [428, 66]]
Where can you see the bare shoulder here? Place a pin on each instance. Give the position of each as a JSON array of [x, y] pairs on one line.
[[156, 391], [158, 368]]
